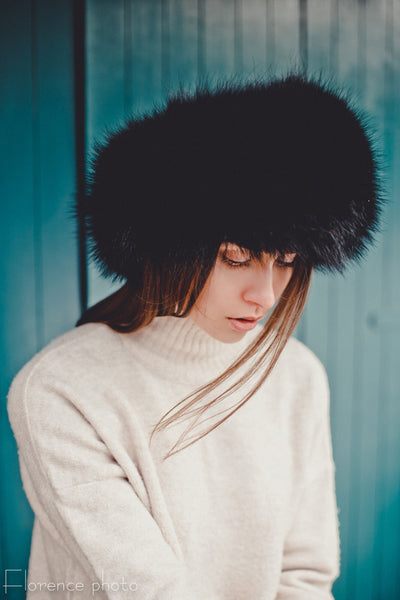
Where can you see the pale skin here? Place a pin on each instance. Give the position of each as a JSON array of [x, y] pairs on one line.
[[240, 288]]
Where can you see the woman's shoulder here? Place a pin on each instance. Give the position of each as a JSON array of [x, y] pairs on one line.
[[66, 372], [302, 366], [84, 349], [301, 354]]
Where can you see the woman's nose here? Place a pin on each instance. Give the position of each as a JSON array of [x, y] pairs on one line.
[[260, 290]]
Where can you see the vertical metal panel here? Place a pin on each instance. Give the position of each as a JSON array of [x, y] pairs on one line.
[[321, 34], [238, 36], [342, 374], [187, 50], [287, 31], [303, 35], [255, 33], [38, 266], [104, 66], [366, 344], [358, 416], [106, 90], [17, 267], [220, 38], [387, 572], [270, 32], [150, 70], [79, 38], [201, 44], [56, 166]]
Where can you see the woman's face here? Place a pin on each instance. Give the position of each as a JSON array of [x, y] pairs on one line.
[[239, 292]]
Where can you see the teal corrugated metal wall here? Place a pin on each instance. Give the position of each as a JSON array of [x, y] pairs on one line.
[[38, 263], [134, 52]]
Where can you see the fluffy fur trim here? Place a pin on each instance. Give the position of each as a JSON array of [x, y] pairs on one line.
[[281, 165]]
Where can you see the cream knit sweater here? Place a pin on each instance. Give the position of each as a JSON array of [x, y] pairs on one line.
[[246, 513]]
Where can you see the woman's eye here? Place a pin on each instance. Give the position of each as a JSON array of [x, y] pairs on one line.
[[289, 260], [235, 263], [285, 264], [282, 261]]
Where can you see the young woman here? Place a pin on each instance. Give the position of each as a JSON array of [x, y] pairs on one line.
[[146, 479]]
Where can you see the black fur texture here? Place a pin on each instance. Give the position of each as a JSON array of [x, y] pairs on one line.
[[277, 165]]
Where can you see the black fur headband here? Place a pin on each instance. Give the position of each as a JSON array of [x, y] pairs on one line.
[[283, 165]]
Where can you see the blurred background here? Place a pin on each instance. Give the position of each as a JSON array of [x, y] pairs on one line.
[[70, 69]]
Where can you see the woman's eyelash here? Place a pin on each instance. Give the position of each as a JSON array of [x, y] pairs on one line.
[[235, 264], [282, 263]]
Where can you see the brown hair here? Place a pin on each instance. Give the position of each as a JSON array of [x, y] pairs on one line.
[[166, 292]]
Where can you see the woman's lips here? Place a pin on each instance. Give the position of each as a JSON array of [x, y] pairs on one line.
[[243, 324]]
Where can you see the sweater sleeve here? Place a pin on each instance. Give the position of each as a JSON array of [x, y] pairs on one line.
[[312, 549], [85, 502]]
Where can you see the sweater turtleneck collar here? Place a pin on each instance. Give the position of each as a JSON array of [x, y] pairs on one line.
[[178, 345]]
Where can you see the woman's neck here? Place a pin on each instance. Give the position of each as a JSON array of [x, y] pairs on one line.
[[180, 347]]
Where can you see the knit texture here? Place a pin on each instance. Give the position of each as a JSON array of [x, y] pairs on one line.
[[247, 513]]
